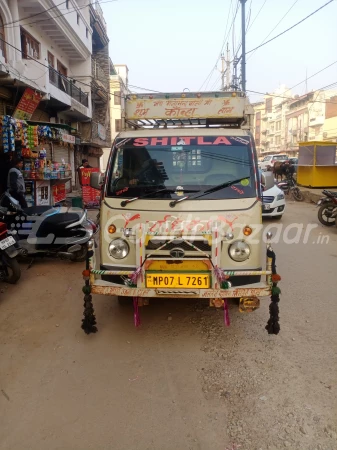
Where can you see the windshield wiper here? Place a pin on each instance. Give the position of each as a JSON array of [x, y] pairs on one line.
[[130, 200], [208, 191]]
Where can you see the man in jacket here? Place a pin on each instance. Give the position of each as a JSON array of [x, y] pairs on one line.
[[16, 184]]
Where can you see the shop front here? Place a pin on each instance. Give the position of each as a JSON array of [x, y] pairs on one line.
[[48, 154]]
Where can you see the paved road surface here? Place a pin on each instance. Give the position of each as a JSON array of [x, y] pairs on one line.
[[185, 383]]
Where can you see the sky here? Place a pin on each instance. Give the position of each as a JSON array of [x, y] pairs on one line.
[[170, 45]]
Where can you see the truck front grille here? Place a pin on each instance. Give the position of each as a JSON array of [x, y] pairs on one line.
[[202, 245]]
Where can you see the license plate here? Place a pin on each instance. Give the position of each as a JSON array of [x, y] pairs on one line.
[[173, 280], [7, 242], [266, 206]]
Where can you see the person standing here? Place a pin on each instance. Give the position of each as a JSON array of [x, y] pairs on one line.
[[85, 165], [16, 183]]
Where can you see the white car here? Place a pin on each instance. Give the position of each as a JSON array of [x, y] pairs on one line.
[[270, 160], [273, 203]]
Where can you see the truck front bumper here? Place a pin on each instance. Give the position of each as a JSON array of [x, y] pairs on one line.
[[251, 290]]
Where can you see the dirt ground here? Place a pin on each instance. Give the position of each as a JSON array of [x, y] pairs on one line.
[[180, 381]]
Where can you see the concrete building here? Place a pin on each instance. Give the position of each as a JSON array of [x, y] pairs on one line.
[[119, 81], [282, 121], [60, 50]]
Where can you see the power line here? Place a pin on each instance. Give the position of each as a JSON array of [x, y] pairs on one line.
[[34, 15], [257, 15], [60, 15], [308, 78], [288, 29], [294, 99], [278, 23], [223, 44]]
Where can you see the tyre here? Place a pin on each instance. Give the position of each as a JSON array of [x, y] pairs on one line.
[[81, 255], [326, 220], [297, 194], [13, 271]]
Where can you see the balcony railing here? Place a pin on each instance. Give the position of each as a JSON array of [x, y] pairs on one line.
[[64, 84]]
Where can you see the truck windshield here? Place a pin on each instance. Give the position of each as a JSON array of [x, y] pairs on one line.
[[168, 167]]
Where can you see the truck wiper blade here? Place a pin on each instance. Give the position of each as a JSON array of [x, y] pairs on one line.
[[130, 200], [208, 191]]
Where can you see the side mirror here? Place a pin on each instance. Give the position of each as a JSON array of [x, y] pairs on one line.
[[96, 180], [267, 179]]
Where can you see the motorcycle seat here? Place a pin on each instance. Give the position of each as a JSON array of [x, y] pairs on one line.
[[38, 210], [330, 193], [62, 219]]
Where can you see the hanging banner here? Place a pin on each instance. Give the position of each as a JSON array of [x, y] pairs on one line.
[[91, 197], [59, 193], [27, 105]]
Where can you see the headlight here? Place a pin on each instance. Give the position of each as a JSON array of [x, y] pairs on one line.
[[239, 251], [119, 249], [280, 197]]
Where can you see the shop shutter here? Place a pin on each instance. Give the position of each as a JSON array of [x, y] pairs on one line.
[[40, 116], [60, 152]]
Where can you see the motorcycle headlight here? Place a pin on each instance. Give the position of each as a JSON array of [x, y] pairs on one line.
[[239, 251], [119, 249], [280, 197]]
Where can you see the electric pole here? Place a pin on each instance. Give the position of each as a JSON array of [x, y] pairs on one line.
[[243, 32], [222, 72], [228, 69]]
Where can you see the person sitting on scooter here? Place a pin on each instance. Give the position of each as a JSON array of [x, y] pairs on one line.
[[16, 184]]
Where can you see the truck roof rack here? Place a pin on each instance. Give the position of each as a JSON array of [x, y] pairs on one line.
[[190, 109]]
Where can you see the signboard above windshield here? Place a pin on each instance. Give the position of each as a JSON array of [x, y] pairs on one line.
[[185, 108], [178, 143]]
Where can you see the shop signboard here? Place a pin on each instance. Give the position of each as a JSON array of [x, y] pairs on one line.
[[27, 105], [68, 138], [91, 197]]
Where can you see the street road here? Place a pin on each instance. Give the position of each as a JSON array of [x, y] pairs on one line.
[[181, 381]]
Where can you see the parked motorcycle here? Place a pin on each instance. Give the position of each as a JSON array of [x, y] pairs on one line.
[[327, 213], [9, 267], [48, 230], [289, 186]]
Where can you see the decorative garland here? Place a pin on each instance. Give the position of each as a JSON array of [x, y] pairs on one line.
[[273, 326], [224, 284], [89, 319]]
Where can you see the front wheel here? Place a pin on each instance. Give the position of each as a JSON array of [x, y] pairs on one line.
[[13, 270], [324, 214], [297, 194]]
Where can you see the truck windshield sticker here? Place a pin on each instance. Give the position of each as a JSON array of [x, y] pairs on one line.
[[176, 142]]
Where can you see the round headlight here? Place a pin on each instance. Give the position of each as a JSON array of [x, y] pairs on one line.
[[119, 249], [239, 251]]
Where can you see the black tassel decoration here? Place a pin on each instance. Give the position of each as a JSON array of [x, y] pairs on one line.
[[89, 319], [273, 326]]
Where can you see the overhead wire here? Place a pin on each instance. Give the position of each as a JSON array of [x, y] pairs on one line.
[[290, 28], [224, 42], [278, 23], [59, 15], [34, 15]]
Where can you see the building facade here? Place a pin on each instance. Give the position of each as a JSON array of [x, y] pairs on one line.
[[282, 120], [119, 81], [59, 50]]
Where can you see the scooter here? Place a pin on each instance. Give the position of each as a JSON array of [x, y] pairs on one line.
[[327, 213], [9, 267], [48, 230]]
